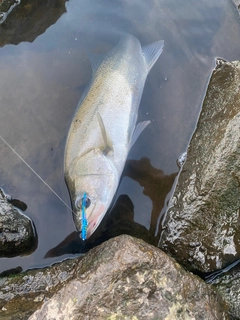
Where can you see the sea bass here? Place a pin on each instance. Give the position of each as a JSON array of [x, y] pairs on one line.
[[105, 127]]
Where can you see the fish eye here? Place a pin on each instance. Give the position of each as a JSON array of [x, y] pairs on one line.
[[88, 202], [79, 201]]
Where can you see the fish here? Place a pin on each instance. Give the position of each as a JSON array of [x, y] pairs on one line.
[[105, 127]]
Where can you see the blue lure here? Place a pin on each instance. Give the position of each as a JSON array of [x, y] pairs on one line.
[[84, 218]]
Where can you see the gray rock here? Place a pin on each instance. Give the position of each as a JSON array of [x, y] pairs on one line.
[[17, 234], [126, 278], [201, 227], [22, 294], [228, 286]]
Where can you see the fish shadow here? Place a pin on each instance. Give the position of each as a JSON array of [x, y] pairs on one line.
[[120, 218]]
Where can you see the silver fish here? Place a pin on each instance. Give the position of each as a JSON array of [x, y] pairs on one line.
[[104, 127]]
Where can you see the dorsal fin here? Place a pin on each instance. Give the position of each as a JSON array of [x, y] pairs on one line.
[[151, 52], [107, 146]]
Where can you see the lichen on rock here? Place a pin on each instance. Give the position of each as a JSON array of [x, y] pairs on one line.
[[126, 278]]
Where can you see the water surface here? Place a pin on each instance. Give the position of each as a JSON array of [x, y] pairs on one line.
[[41, 83]]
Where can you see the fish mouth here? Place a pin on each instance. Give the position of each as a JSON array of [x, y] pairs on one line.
[[95, 218]]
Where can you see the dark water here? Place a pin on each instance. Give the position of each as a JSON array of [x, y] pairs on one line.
[[41, 83]]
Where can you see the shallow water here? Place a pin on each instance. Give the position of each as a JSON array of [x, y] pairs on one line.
[[40, 86]]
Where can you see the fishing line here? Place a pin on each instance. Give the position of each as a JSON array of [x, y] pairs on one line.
[[18, 155]]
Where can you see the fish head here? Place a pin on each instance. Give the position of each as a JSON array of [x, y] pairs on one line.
[[98, 181], [97, 202]]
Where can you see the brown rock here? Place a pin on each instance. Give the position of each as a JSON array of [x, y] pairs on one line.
[[126, 278]]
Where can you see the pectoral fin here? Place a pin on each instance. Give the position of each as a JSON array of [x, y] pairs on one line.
[[107, 145], [138, 130]]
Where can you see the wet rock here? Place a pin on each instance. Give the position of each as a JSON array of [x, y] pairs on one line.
[[228, 287], [17, 234], [22, 294], [26, 20], [6, 7], [201, 227], [126, 278]]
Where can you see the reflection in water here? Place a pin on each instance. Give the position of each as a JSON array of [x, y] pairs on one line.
[[18, 203], [29, 19], [156, 185], [11, 272], [41, 84], [120, 220], [6, 8]]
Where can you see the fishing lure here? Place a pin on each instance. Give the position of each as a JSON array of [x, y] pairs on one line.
[[84, 218]]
